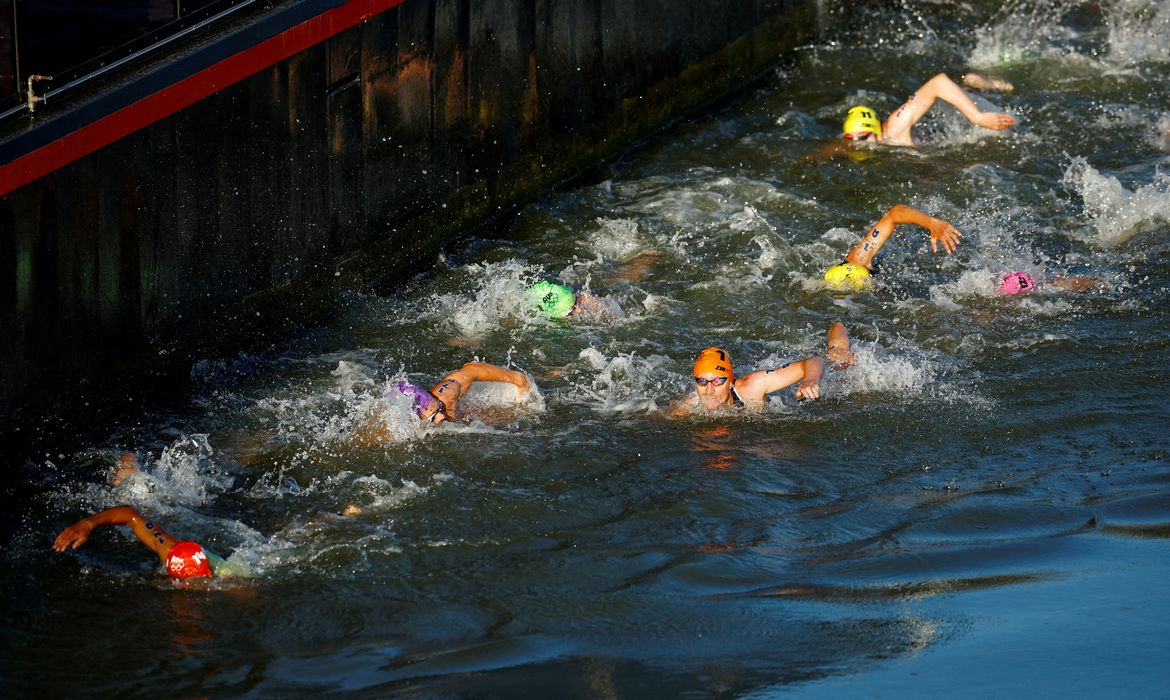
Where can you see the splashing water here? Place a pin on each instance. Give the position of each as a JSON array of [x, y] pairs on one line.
[[1118, 214], [987, 475]]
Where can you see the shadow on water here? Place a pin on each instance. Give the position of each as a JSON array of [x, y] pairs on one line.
[[978, 502]]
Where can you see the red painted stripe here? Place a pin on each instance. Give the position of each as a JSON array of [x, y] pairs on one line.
[[159, 105]]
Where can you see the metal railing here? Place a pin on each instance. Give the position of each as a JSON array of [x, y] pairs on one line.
[[49, 47]]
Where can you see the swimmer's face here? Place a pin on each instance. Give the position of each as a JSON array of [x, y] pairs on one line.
[[860, 136], [437, 414], [714, 389]]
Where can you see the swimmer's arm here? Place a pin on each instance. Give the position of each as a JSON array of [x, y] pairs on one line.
[[638, 267], [372, 431], [461, 379], [1079, 283], [148, 532], [876, 237], [754, 386], [682, 407], [940, 87], [836, 147]]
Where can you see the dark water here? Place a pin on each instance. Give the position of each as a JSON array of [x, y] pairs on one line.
[[981, 505]]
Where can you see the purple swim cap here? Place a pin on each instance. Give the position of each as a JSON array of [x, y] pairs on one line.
[[422, 398], [1015, 283]]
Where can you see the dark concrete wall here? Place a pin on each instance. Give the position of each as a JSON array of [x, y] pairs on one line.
[[344, 165]]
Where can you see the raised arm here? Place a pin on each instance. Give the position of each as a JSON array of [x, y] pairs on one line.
[[453, 386], [940, 87], [148, 532], [869, 245], [754, 386]]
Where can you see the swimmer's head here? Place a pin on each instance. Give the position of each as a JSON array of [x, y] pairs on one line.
[[713, 378], [555, 300], [187, 560], [1015, 283], [420, 397], [714, 361], [848, 277], [860, 122]]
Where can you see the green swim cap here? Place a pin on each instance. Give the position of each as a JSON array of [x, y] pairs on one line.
[[556, 300]]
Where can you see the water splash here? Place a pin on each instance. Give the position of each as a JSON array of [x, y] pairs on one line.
[[1116, 213], [1021, 31], [1139, 31], [185, 474], [624, 383]]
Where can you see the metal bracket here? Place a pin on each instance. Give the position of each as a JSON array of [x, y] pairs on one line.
[[33, 97]]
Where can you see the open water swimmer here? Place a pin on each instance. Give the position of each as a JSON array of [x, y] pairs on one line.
[[854, 272], [441, 402], [181, 559], [979, 504], [559, 301], [716, 385], [862, 123]]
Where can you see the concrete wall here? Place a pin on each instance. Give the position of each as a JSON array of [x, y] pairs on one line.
[[345, 165]]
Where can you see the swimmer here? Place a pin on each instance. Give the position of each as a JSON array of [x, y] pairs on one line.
[[854, 272], [1014, 283], [862, 124], [441, 402], [180, 559], [126, 465], [558, 301], [717, 387]]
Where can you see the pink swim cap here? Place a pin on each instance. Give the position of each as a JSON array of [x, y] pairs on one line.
[[1015, 283]]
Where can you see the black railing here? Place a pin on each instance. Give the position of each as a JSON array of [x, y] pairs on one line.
[[48, 47]]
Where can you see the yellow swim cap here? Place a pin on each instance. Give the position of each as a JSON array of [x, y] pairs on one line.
[[713, 360], [862, 118], [848, 276]]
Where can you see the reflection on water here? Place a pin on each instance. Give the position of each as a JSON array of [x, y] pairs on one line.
[[987, 463]]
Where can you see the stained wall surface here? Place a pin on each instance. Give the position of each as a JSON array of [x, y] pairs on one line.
[[346, 165]]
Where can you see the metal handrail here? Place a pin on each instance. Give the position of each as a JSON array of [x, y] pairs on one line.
[[32, 99]]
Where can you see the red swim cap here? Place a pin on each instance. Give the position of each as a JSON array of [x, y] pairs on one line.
[[187, 560]]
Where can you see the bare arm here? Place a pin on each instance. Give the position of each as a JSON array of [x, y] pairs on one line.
[[754, 386], [682, 407], [940, 87], [869, 245], [1078, 283], [453, 386], [149, 533]]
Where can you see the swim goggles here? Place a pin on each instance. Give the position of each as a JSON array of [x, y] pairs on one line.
[[439, 408], [717, 381]]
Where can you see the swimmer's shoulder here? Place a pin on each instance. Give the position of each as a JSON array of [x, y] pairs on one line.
[[683, 406]]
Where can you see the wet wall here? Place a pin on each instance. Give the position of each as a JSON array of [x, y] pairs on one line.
[[242, 217]]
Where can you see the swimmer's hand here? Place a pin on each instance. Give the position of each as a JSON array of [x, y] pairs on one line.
[[942, 232], [994, 120], [523, 385], [73, 536], [809, 389]]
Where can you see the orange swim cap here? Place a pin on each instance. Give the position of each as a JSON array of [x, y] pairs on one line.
[[713, 360]]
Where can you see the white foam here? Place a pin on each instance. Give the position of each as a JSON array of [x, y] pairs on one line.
[[885, 372], [1117, 213], [616, 239], [184, 474], [1139, 31], [624, 383]]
